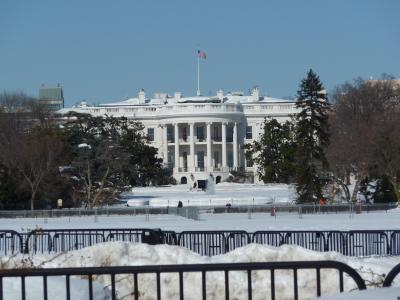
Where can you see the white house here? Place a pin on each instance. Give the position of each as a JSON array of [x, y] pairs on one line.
[[199, 136]]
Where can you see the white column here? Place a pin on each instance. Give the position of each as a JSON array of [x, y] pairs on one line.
[[176, 146], [209, 151], [224, 164], [192, 155], [165, 143], [235, 147]]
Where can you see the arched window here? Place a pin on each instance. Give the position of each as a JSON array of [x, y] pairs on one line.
[[183, 180]]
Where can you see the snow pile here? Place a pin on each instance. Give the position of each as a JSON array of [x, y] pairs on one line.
[[126, 254]]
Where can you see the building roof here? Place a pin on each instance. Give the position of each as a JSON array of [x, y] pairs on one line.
[[51, 93], [164, 98]]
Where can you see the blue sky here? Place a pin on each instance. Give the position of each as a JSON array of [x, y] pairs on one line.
[[104, 51]]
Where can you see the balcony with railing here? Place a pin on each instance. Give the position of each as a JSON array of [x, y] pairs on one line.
[[199, 109], [275, 108]]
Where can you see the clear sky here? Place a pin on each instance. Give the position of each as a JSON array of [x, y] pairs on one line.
[[104, 51]]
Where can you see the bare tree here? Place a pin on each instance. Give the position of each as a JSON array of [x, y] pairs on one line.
[[365, 129], [26, 147]]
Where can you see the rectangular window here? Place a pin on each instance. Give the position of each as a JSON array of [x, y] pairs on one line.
[[184, 133], [217, 136], [150, 134], [171, 159], [249, 163], [200, 159], [216, 159], [170, 134], [249, 132], [200, 133], [229, 134], [184, 160], [230, 159]]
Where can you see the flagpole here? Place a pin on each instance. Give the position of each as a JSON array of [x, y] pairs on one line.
[[198, 75]]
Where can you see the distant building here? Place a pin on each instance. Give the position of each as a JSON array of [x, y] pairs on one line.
[[51, 98], [199, 136]]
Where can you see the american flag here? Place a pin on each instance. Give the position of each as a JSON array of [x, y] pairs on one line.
[[201, 54]]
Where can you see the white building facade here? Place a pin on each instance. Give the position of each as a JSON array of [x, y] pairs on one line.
[[199, 137]]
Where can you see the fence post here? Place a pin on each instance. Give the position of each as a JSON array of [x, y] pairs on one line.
[[147, 213], [351, 210]]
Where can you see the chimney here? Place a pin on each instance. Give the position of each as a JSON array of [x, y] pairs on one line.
[[177, 96], [142, 96], [220, 95], [255, 93]]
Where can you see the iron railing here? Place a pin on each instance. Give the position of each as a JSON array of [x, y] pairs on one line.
[[132, 273], [61, 240], [350, 243], [235, 207], [11, 242], [391, 276]]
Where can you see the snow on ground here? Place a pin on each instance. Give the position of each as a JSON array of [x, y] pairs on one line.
[[220, 194], [56, 290], [124, 254], [226, 221], [371, 294]]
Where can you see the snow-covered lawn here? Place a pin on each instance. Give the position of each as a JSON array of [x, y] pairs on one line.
[[220, 194], [225, 221], [372, 269]]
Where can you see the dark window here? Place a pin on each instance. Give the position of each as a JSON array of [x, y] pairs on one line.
[[249, 132], [249, 163], [200, 159], [200, 133], [217, 136], [229, 134], [171, 159], [150, 134], [184, 160], [216, 159], [184, 134], [170, 134], [230, 159]]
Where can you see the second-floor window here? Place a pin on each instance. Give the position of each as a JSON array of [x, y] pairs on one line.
[[249, 132], [217, 135], [170, 134], [184, 133], [229, 134], [150, 134], [200, 133]]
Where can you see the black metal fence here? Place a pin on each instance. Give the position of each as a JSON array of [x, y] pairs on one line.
[[391, 276], [192, 211], [111, 277], [351, 243]]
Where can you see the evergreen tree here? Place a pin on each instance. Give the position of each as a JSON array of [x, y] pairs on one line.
[[109, 156], [311, 138], [273, 152]]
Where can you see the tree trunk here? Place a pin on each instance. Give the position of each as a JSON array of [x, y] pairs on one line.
[[355, 191], [32, 201]]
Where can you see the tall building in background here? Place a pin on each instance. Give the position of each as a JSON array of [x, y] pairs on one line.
[[51, 97]]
